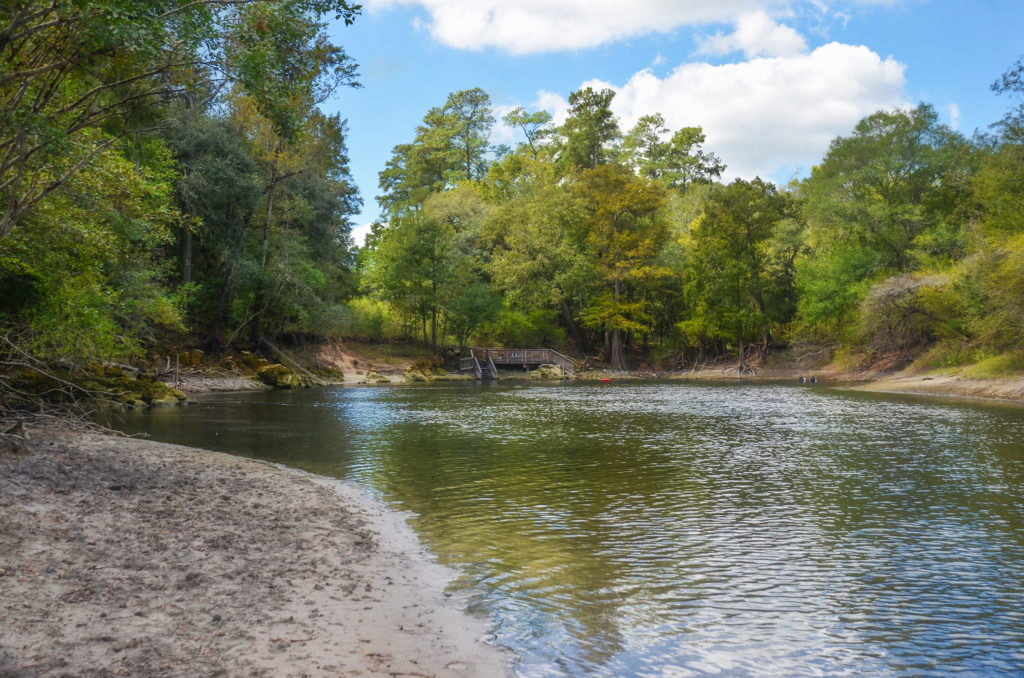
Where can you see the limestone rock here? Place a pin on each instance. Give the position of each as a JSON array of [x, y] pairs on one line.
[[374, 377], [547, 372], [279, 376]]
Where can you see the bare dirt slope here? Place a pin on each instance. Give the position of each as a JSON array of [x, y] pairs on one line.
[[355, 359]]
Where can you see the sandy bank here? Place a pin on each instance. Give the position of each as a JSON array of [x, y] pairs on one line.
[[129, 557], [1011, 389]]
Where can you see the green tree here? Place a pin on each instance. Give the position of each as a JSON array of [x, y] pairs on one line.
[[538, 258], [626, 231], [679, 162], [535, 126], [741, 275], [67, 68], [993, 277], [883, 201], [450, 147], [589, 135], [96, 287], [411, 266]]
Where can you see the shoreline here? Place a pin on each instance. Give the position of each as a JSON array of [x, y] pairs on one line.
[[1007, 389], [359, 366], [128, 556]]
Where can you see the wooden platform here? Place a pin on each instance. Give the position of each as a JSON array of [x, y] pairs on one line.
[[485, 362]]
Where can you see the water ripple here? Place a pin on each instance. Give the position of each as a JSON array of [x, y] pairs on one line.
[[675, 529]]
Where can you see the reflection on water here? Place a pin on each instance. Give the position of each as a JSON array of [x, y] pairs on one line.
[[680, 529]]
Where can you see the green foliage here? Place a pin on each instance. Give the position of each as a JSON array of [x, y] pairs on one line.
[[993, 275], [884, 201], [450, 147], [588, 136], [1002, 365], [85, 259], [370, 319], [535, 126], [514, 327], [238, 216], [625, 231], [234, 223], [472, 307], [70, 68], [412, 266], [678, 162], [741, 275], [909, 311]]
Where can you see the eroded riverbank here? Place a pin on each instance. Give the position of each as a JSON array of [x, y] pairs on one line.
[[121, 556]]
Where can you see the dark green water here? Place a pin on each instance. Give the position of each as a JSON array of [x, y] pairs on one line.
[[678, 529]]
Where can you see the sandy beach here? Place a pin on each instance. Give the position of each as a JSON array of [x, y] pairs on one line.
[[125, 557], [1009, 389]]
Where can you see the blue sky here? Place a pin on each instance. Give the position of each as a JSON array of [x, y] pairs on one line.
[[770, 81]]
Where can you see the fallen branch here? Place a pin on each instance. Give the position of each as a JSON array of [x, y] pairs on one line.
[[288, 358]]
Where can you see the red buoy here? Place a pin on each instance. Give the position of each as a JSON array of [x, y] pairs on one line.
[[606, 380]]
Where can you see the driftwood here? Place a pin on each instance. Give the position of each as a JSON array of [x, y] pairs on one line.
[[18, 429], [62, 406]]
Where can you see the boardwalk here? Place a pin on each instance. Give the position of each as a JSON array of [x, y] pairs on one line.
[[485, 362]]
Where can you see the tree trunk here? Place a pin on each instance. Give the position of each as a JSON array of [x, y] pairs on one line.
[[618, 355], [266, 225], [742, 368], [186, 255], [433, 330], [225, 290], [574, 331]]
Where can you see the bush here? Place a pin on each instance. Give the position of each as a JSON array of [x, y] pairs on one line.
[[907, 312]]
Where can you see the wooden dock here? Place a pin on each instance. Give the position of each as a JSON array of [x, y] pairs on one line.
[[484, 362]]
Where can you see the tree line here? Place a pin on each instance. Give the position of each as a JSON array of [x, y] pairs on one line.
[[166, 175], [625, 244], [167, 179]]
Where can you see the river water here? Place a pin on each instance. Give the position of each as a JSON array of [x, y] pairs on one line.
[[678, 529]]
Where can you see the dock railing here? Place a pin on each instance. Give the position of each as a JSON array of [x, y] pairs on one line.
[[471, 364], [526, 358]]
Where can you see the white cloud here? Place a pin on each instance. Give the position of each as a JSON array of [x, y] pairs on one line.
[[553, 103], [500, 132], [766, 115], [756, 34], [359, 233], [954, 116], [529, 26]]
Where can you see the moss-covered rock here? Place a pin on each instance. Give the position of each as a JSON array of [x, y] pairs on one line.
[[415, 375], [253, 361], [290, 381], [547, 372], [452, 377], [158, 394], [108, 383], [430, 366], [374, 377], [279, 376], [269, 374]]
